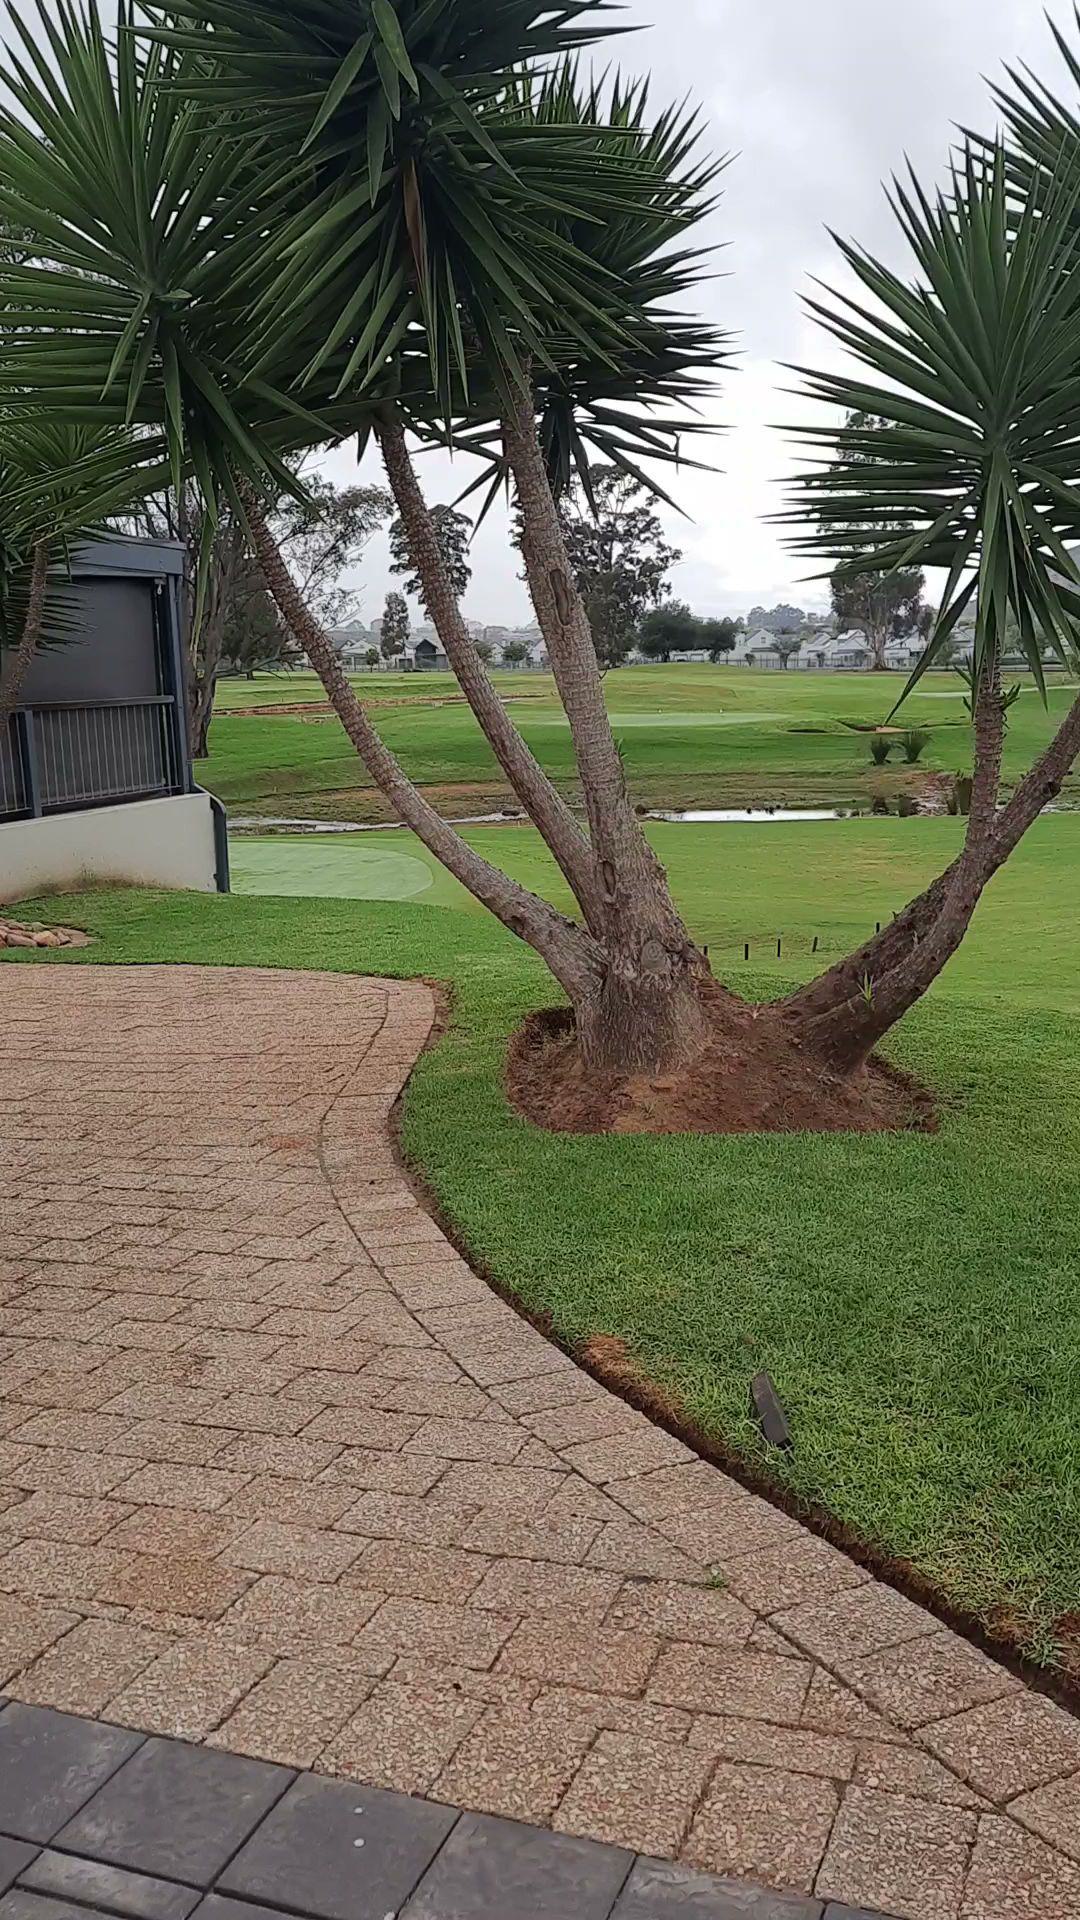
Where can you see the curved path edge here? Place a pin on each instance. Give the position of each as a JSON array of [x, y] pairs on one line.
[[281, 1475]]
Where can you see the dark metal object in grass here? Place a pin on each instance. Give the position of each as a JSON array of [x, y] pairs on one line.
[[771, 1416], [746, 951]]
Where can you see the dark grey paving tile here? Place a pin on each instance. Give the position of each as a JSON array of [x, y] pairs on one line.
[[176, 1811], [499, 1870], [339, 1852], [14, 1856], [217, 1906], [51, 1764], [852, 1913], [68, 1877], [657, 1890], [19, 1904]]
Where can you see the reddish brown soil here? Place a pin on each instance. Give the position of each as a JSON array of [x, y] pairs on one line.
[[750, 1078]]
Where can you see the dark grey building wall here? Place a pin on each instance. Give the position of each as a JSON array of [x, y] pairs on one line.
[[113, 655]]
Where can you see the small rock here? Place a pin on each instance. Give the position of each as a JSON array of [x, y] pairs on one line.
[[13, 939], [46, 939]]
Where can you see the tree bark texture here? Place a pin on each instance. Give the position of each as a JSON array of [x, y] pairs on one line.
[[567, 949], [548, 812], [18, 665], [652, 961]]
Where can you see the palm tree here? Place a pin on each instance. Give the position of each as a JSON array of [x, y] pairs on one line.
[[971, 374], [324, 217], [411, 279], [58, 484]]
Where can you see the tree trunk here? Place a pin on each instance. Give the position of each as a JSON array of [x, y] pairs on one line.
[[549, 813], [568, 950], [650, 954], [13, 680]]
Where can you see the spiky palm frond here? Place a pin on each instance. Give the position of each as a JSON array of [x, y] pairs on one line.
[[58, 484], [638, 406], [143, 219], [975, 371]]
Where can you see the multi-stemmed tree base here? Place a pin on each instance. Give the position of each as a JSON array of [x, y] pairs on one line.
[[751, 1072]]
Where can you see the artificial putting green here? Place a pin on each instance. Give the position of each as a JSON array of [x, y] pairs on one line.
[[303, 866]]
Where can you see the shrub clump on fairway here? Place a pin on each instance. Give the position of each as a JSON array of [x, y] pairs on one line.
[[759, 1086]]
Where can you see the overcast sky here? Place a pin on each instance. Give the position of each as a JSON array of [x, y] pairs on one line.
[[818, 100]]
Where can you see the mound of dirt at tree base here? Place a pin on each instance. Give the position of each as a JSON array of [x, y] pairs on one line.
[[753, 1080]]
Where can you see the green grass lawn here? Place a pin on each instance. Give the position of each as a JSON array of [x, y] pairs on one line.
[[690, 735], [916, 1298]]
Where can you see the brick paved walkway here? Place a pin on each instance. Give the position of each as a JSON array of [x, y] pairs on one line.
[[278, 1473]]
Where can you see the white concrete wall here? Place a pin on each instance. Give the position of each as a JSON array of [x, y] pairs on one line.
[[149, 843]]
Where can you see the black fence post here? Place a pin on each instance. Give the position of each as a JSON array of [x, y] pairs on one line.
[[31, 776]]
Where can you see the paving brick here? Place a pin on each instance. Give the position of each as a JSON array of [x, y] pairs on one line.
[[626, 1455], [562, 1538], [1009, 1747], [704, 1615], [163, 1484], [421, 1573], [1053, 1812], [512, 1765], [491, 1866], [85, 1669], [833, 1708], [65, 1470], [661, 1890], [847, 1628], [26, 1631], [295, 1617], [55, 1570], [306, 1553], [576, 1706], [763, 1824], [910, 1771], [636, 1793], [290, 1715], [91, 1884], [402, 1736], [419, 1627], [747, 1686], [304, 1856], [522, 1492], [598, 1657], [189, 1688], [297, 1459], [160, 1583], [468, 1440], [50, 1766], [373, 1471], [529, 1586], [401, 1516], [180, 1531], [757, 1742], [1014, 1876], [15, 1856], [930, 1679], [291, 1502], [897, 1855], [625, 1546], [48, 1515], [802, 1569], [175, 1811]]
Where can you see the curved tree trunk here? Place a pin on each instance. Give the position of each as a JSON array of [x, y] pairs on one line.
[[13, 680], [548, 812], [654, 972], [567, 949]]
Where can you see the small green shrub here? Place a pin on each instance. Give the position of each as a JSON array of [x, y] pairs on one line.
[[913, 744], [880, 748]]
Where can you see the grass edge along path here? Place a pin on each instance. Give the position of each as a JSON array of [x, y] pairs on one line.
[[916, 1298]]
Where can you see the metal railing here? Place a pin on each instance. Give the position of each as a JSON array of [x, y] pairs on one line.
[[89, 754]]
